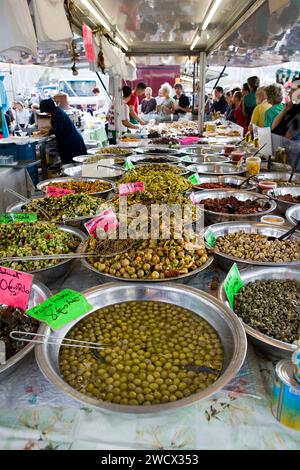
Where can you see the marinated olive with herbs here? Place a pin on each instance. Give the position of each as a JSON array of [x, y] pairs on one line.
[[150, 343], [28, 239], [96, 186], [272, 307], [66, 207]]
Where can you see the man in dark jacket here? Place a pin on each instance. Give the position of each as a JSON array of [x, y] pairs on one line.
[[220, 104]]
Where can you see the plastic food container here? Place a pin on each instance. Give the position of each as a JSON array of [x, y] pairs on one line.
[[266, 185], [237, 156], [229, 148], [253, 165], [273, 219]]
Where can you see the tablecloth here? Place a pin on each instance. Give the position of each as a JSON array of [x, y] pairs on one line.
[[17, 179], [36, 415]]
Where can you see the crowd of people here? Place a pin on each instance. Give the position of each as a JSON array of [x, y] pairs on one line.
[[253, 105]]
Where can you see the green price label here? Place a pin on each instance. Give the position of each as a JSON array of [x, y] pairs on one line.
[[195, 178], [128, 164], [186, 159], [60, 309], [22, 217], [210, 237], [233, 284]]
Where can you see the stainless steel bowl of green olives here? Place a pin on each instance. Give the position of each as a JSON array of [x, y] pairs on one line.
[[153, 333], [266, 307]]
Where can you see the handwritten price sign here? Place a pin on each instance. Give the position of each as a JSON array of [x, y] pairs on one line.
[[61, 309], [58, 192], [106, 221], [125, 189], [15, 288], [22, 217]]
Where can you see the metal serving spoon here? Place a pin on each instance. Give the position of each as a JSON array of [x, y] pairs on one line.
[[28, 201], [288, 234]]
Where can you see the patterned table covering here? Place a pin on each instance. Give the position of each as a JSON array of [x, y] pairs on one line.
[[36, 415]]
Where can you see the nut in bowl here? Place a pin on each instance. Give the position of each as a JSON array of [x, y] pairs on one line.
[[247, 243]]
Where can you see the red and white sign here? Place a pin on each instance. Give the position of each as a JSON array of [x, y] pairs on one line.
[[58, 192], [87, 35], [106, 221], [125, 189], [15, 288]]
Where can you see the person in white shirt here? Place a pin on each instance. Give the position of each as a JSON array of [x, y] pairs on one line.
[[22, 115], [160, 98], [125, 117], [100, 106]]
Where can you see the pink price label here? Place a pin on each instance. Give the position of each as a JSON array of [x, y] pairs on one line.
[[106, 221], [15, 288], [125, 189], [58, 192], [193, 198]]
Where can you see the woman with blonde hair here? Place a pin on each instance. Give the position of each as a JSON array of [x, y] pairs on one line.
[[262, 106], [274, 97], [148, 103], [168, 105]]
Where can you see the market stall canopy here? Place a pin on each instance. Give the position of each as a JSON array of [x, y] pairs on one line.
[[249, 32]]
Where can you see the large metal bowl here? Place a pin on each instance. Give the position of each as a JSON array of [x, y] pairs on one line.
[[216, 169], [227, 325], [181, 170], [278, 176], [215, 217], [38, 294], [104, 194], [76, 172], [225, 228], [271, 346], [97, 150], [74, 222], [236, 180], [293, 214], [282, 191], [205, 158], [168, 159], [46, 275], [197, 150], [184, 278], [163, 150]]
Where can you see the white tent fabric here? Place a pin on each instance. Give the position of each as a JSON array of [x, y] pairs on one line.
[[16, 29], [116, 62], [52, 26]]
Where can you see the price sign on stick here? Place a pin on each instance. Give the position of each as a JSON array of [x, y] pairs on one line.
[[210, 237], [128, 164], [106, 221], [61, 309], [8, 218], [15, 288], [233, 284], [195, 178], [58, 192], [125, 189]]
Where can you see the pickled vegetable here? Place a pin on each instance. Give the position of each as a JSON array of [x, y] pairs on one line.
[[150, 346]]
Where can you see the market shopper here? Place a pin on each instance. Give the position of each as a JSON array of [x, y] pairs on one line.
[[245, 89], [249, 100], [239, 117], [274, 97], [22, 115], [68, 139], [219, 105], [229, 115], [133, 104], [148, 103], [262, 106], [287, 123], [125, 117], [168, 105], [33, 116], [159, 98], [182, 103]]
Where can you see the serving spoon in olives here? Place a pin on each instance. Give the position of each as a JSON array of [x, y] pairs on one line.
[[288, 234]]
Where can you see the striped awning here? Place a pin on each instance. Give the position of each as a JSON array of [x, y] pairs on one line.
[[286, 75]]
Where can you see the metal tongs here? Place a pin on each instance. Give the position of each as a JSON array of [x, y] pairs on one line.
[[36, 338]]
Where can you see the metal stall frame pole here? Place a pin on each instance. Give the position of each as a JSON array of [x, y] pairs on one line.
[[117, 105], [201, 91]]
